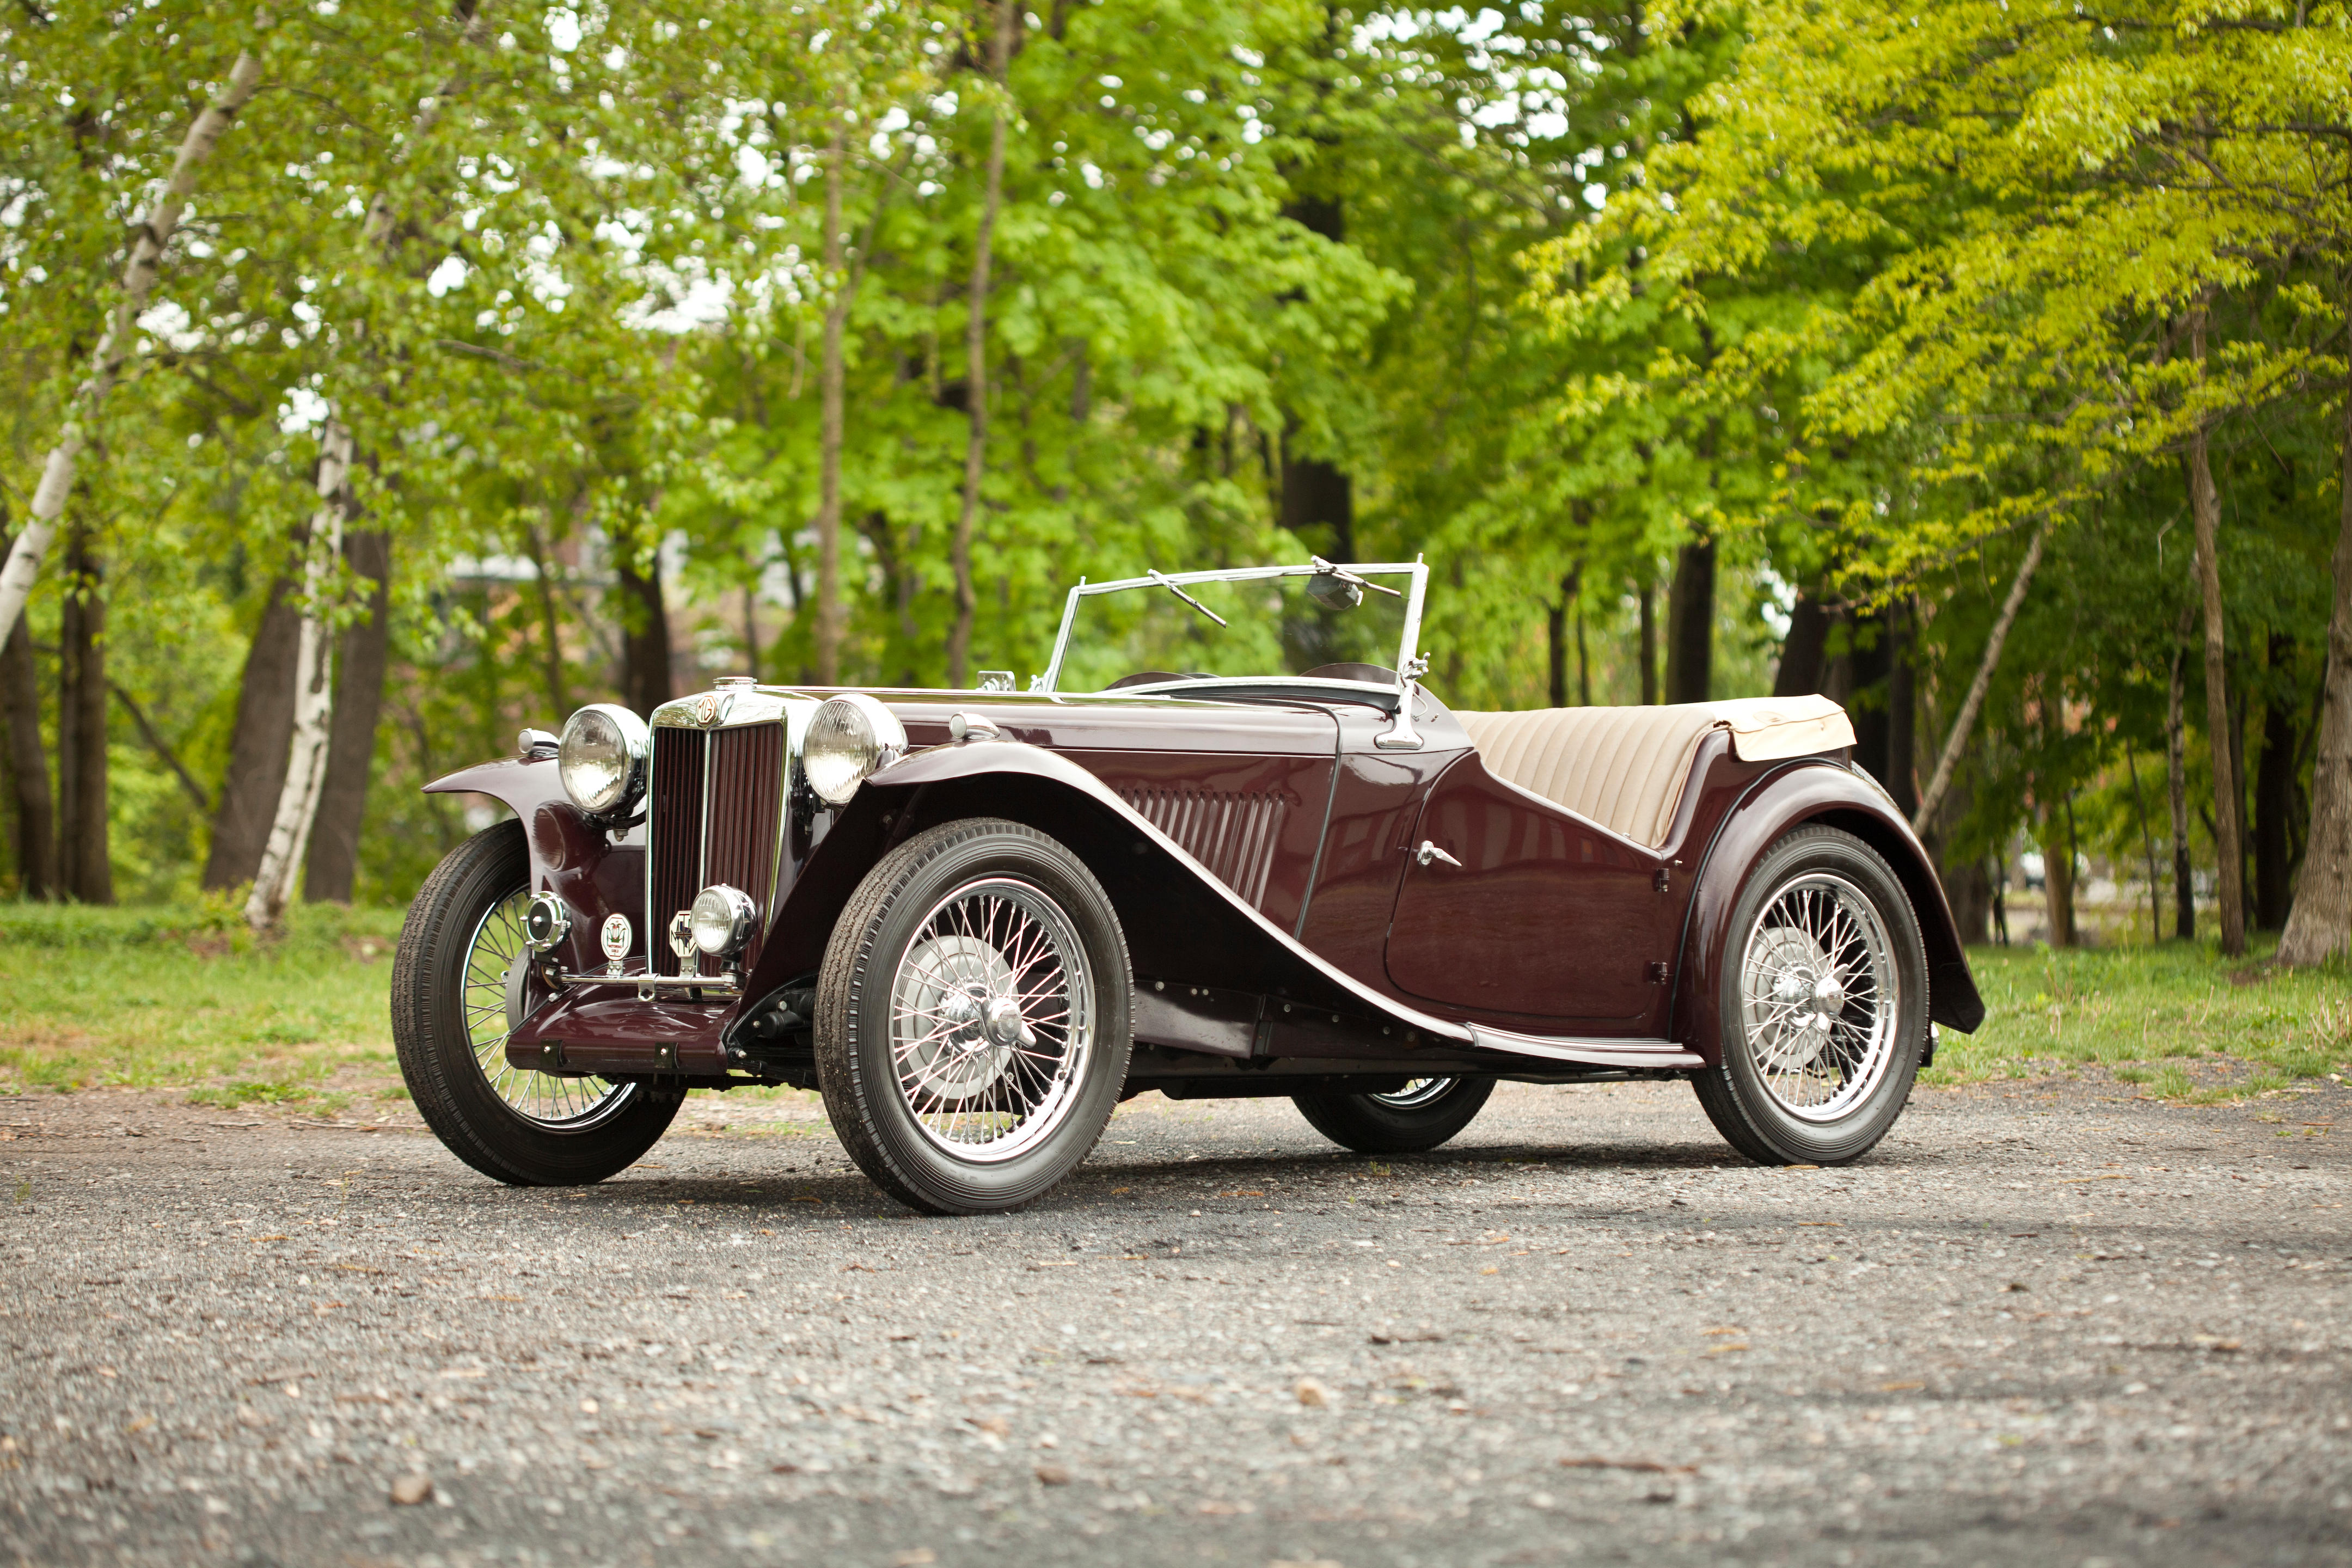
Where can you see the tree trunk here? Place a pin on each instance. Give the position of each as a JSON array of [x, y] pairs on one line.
[[82, 843], [1957, 742], [1317, 496], [646, 678], [752, 629], [314, 691], [2274, 802], [2058, 876], [257, 751], [2229, 848], [1556, 653], [1970, 889], [1690, 623], [550, 628], [2147, 842], [1902, 710], [1803, 649], [1868, 660], [28, 769], [1571, 589], [2176, 783], [975, 344], [360, 659], [1648, 595], [1583, 657], [139, 272], [830, 621], [2320, 924]]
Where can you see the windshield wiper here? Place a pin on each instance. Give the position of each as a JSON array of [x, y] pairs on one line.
[[1166, 581]]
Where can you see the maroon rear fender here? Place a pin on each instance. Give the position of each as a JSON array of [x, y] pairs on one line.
[[569, 856], [1832, 795]]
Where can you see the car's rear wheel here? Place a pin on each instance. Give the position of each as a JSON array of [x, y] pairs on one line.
[[972, 1017], [458, 984], [1824, 1004], [1422, 1115]]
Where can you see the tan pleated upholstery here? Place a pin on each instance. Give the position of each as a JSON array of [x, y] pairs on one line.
[[1624, 768]]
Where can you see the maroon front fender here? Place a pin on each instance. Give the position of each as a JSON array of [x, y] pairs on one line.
[[569, 856], [1833, 795], [1181, 921]]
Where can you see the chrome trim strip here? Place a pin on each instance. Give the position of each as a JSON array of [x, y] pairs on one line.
[[653, 842], [1595, 1052]]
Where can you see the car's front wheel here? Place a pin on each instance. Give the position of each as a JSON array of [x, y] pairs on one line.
[[972, 1017], [458, 984], [1824, 1004], [1420, 1116]]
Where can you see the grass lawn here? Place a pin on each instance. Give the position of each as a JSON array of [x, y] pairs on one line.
[[2180, 1019], [185, 997]]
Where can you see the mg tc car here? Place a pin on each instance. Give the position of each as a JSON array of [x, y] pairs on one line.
[[1228, 844]]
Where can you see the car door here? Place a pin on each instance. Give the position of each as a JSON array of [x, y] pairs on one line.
[[1519, 906]]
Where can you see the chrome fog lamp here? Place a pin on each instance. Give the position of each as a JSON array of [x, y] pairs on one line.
[[602, 758], [851, 736], [721, 920], [546, 923]]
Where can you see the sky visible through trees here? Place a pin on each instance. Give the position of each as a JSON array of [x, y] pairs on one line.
[[1983, 365]]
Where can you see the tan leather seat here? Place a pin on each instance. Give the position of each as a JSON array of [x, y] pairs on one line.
[[1624, 768]]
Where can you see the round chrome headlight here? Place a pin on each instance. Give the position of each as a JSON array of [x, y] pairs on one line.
[[602, 758], [851, 736], [721, 919]]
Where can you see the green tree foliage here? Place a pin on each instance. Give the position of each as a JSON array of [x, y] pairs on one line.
[[1845, 297]]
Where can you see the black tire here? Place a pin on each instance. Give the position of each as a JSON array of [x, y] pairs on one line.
[[614, 1126], [896, 1105], [1411, 1121], [1862, 1075]]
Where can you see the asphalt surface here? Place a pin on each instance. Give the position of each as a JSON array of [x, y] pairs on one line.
[[2044, 1324]]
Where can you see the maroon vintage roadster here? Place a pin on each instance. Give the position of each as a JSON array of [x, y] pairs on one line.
[[1226, 844]]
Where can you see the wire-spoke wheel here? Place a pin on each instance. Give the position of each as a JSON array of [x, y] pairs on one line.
[[1818, 996], [991, 1017], [460, 985], [1823, 1008], [972, 1017], [1422, 1114], [497, 981]]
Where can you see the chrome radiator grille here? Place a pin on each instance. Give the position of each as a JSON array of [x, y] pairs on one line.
[[715, 805], [1233, 835]]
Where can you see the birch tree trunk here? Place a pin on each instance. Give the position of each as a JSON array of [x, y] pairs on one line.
[[139, 275], [2176, 785], [2320, 924], [975, 452], [1957, 742], [2205, 508], [829, 618], [314, 692]]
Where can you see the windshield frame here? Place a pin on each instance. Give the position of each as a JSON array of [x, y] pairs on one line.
[[1415, 570]]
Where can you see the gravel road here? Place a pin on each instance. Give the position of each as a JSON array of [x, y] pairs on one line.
[[2046, 1323]]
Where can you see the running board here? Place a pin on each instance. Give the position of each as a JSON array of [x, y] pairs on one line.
[[1661, 1054]]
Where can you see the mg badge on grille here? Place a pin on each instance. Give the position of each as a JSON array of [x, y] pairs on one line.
[[706, 709], [615, 938]]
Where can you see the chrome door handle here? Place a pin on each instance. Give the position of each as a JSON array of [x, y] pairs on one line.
[[1429, 851]]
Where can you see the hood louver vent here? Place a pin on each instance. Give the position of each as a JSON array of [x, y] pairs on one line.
[[1233, 835]]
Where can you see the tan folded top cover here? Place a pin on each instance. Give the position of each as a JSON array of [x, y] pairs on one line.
[[1624, 768]]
